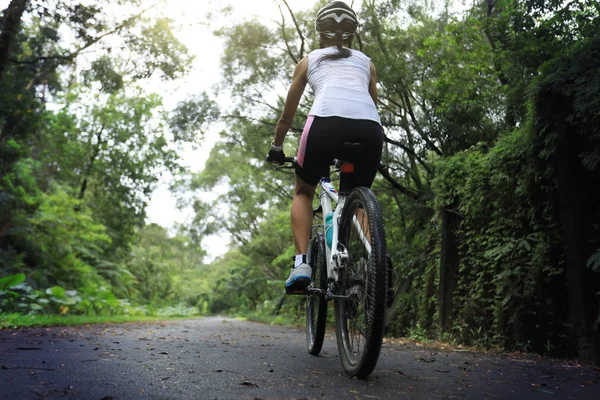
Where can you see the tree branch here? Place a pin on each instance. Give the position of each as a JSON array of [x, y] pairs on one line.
[[285, 38], [303, 40], [413, 118], [408, 150], [277, 191], [410, 193], [68, 58], [262, 101]]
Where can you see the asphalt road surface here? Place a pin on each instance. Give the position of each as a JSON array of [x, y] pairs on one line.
[[218, 358]]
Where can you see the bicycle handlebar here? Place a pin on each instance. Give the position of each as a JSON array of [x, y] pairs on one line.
[[288, 162], [293, 162]]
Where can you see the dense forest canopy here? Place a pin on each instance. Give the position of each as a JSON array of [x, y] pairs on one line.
[[492, 154]]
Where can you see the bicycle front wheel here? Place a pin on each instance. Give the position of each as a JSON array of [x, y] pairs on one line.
[[362, 284], [316, 304]]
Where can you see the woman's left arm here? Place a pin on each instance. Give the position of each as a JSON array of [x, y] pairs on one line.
[[373, 84], [292, 100]]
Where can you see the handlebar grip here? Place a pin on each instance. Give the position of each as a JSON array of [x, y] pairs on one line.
[[286, 160], [289, 163]]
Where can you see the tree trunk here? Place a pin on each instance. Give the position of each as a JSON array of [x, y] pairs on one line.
[[575, 214], [90, 166], [10, 27], [448, 268]]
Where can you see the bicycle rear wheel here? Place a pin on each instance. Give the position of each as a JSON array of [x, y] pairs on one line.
[[359, 313], [316, 304]]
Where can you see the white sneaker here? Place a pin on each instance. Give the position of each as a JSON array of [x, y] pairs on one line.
[[299, 279]]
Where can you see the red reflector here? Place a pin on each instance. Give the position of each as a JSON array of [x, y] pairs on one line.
[[347, 168]]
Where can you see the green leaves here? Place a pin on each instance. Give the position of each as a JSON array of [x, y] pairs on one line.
[[56, 291], [251, 59], [103, 71], [9, 281], [159, 51], [191, 118]]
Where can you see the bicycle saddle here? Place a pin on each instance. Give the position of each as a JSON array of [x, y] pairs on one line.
[[350, 152]]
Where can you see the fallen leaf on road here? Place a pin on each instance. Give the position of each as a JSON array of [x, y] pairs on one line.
[[543, 391]]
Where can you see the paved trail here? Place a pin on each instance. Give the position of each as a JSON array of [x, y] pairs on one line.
[[217, 358]]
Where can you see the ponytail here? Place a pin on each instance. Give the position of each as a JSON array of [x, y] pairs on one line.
[[338, 41]]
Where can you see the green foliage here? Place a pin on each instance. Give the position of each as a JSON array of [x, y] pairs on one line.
[[191, 116], [508, 242], [157, 49], [81, 149], [104, 71], [10, 281], [165, 270], [68, 240], [178, 311], [16, 295]]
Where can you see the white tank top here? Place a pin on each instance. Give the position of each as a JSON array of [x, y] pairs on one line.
[[341, 86]]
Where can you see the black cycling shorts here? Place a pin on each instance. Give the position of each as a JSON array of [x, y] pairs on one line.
[[321, 139]]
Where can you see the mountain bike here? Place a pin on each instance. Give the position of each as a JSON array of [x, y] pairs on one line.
[[347, 254]]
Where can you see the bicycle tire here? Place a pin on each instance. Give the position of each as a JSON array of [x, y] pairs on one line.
[[316, 304], [360, 317]]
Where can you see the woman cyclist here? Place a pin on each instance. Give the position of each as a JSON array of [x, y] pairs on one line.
[[344, 110]]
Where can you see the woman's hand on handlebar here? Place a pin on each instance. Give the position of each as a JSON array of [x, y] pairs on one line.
[[276, 155]]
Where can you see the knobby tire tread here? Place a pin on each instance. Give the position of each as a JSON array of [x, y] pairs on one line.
[[377, 276], [316, 306]]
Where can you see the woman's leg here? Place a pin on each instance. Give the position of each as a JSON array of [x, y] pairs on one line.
[[300, 276], [302, 214]]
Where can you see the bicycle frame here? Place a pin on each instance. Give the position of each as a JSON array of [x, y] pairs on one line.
[[335, 256]]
